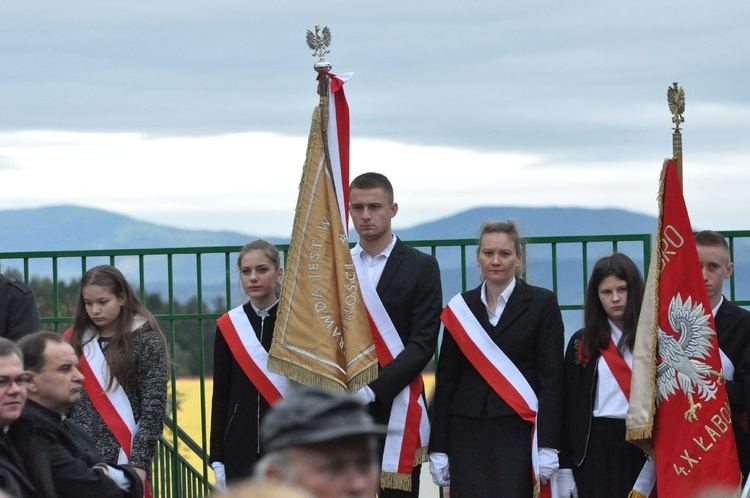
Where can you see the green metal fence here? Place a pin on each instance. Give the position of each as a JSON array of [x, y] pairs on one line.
[[206, 277]]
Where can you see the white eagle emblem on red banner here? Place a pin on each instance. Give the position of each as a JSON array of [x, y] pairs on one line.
[[683, 354]]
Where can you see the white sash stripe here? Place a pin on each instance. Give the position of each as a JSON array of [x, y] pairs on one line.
[[254, 348], [501, 363], [95, 357], [389, 334]]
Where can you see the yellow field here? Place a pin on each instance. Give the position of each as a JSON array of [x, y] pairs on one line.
[[190, 420]]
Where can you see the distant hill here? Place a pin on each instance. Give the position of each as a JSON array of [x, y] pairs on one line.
[[62, 228], [535, 222], [67, 227]]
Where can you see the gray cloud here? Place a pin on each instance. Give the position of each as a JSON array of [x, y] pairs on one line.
[[575, 80]]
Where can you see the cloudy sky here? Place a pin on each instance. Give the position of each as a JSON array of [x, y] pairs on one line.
[[196, 114]]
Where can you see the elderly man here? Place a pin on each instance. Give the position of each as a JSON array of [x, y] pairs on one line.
[[55, 385], [323, 442], [24, 466]]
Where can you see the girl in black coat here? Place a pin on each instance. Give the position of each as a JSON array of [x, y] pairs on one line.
[[237, 406], [595, 450]]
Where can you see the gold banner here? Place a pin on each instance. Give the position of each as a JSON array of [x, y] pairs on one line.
[[322, 335]]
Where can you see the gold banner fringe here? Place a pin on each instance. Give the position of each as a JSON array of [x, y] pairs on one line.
[[537, 488], [636, 494], [302, 375], [366, 376], [392, 480], [421, 456]]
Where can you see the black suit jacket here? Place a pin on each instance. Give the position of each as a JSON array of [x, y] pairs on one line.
[[24, 463], [411, 293], [530, 333], [733, 333], [237, 406], [72, 455]]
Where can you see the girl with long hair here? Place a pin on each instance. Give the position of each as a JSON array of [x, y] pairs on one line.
[[123, 354], [596, 460]]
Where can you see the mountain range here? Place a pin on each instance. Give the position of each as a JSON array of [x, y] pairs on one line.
[[67, 227]]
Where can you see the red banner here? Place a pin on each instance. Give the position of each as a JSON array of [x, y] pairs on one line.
[[679, 402]]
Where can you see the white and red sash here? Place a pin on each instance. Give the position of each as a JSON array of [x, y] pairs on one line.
[[249, 353], [618, 366], [622, 373], [112, 405], [408, 426], [497, 370]]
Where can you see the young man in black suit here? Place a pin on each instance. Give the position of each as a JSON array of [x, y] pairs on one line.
[[733, 331], [407, 282]]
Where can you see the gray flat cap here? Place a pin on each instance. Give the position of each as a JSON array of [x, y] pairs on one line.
[[311, 415]]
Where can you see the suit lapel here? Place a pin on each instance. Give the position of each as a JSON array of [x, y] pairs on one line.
[[517, 304], [723, 316], [391, 266], [477, 307]]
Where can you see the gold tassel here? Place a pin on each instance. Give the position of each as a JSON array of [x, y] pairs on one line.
[[421, 456], [392, 480], [366, 376], [302, 375]]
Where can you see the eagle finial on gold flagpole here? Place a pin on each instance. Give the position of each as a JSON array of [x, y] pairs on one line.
[[676, 101], [319, 41]]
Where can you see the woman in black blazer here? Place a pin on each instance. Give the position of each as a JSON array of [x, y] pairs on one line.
[[237, 405], [603, 463], [479, 444]]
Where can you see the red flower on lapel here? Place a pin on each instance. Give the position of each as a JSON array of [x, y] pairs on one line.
[[581, 357]]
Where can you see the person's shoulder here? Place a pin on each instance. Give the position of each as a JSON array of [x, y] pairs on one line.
[[576, 335], [534, 290], [13, 286], [420, 256], [726, 305], [35, 416]]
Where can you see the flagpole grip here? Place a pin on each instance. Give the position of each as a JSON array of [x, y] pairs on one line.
[[322, 67], [677, 153]]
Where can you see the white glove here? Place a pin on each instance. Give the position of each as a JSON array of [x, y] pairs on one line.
[[366, 394], [439, 469], [566, 485], [221, 475], [119, 477], [646, 479], [548, 464]]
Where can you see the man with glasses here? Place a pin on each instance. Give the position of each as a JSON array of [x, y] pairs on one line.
[[24, 466]]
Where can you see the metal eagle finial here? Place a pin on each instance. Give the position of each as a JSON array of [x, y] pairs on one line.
[[319, 41], [676, 100]]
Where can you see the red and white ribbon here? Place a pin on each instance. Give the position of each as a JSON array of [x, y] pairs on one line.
[[495, 367], [112, 405], [338, 141], [249, 352], [408, 426]]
